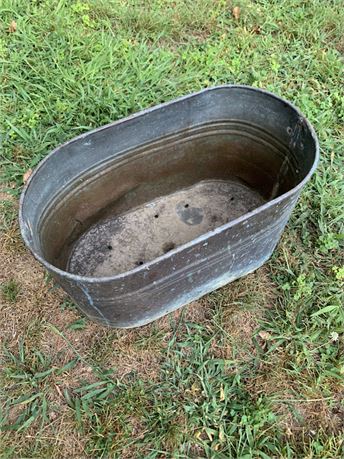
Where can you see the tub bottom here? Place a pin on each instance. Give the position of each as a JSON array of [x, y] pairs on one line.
[[120, 243]]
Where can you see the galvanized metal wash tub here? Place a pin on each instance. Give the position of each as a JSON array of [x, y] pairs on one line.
[[142, 216]]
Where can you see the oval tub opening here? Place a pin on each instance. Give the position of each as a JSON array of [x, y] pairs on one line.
[[121, 196], [150, 202]]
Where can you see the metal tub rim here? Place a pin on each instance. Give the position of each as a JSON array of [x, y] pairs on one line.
[[198, 239]]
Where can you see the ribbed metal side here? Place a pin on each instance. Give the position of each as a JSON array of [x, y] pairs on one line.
[[218, 133]]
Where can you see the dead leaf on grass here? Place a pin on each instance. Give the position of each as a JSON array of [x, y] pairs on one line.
[[236, 12], [12, 27], [58, 390], [222, 393], [264, 335], [52, 415], [27, 175]]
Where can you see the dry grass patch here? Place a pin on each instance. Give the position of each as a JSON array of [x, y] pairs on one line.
[[140, 350], [240, 307], [58, 439], [38, 301], [301, 406]]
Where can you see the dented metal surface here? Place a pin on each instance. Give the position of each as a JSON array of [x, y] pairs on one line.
[[142, 216]]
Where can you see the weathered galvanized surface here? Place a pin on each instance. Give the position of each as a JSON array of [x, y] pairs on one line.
[[120, 243], [88, 213]]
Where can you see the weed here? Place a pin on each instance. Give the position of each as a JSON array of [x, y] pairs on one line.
[[10, 290], [28, 374]]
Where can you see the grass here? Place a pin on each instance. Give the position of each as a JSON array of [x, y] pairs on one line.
[[254, 370], [10, 291]]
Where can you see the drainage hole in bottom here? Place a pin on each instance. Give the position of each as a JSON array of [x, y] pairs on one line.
[[109, 247], [168, 247]]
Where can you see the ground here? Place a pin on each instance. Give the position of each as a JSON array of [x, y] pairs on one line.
[[253, 370]]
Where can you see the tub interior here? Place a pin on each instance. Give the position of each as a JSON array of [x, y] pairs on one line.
[[151, 200], [122, 242]]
